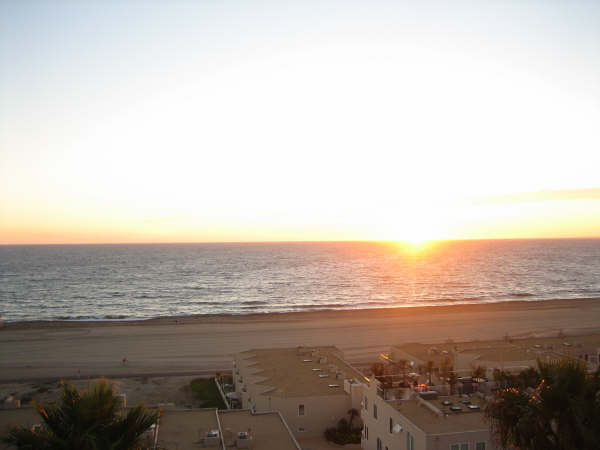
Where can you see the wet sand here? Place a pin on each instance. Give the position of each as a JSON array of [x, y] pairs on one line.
[[204, 344]]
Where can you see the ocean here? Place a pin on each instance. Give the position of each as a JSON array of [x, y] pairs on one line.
[[114, 282]]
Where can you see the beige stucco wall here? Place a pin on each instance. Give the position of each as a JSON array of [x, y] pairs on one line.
[[320, 412], [444, 441], [379, 428]]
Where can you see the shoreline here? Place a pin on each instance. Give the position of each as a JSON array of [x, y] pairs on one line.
[[294, 315]]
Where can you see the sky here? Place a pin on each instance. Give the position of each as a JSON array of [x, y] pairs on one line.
[[210, 121]]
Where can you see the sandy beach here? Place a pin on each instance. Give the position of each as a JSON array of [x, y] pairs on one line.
[[202, 345]]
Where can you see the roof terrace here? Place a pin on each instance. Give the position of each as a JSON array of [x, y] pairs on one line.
[[445, 414]]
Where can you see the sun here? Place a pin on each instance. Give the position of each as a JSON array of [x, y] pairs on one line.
[[417, 232], [417, 240]]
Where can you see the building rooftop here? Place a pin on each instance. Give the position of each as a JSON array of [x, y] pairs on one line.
[[434, 416], [183, 429], [267, 429], [300, 371]]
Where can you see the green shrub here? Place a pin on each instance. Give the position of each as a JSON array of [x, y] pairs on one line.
[[206, 392], [343, 435]]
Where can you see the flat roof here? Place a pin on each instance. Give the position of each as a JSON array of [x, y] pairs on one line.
[[267, 429], [294, 372], [182, 429], [427, 420]]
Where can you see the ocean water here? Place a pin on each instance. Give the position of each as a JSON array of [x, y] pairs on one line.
[[101, 282]]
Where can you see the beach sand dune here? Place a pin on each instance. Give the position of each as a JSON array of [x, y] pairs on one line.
[[204, 344]]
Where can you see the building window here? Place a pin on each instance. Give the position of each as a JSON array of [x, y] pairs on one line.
[[480, 446], [300, 410], [375, 411], [410, 442], [391, 426], [366, 403], [378, 444], [464, 446]]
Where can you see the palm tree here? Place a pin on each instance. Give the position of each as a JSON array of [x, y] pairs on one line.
[[378, 369], [562, 412], [429, 368], [87, 420], [452, 380], [445, 367], [478, 372]]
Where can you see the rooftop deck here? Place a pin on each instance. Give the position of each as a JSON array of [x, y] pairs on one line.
[[433, 416]]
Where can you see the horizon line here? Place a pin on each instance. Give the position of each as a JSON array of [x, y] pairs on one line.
[[305, 241]]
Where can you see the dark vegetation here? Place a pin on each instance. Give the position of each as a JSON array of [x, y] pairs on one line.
[[555, 407], [345, 432], [84, 420], [205, 391]]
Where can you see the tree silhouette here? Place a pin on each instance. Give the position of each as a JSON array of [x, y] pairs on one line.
[[478, 372], [445, 367], [561, 412], [353, 412], [452, 381], [429, 368], [86, 420]]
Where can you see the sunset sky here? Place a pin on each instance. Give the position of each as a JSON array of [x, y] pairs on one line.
[[258, 121]]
